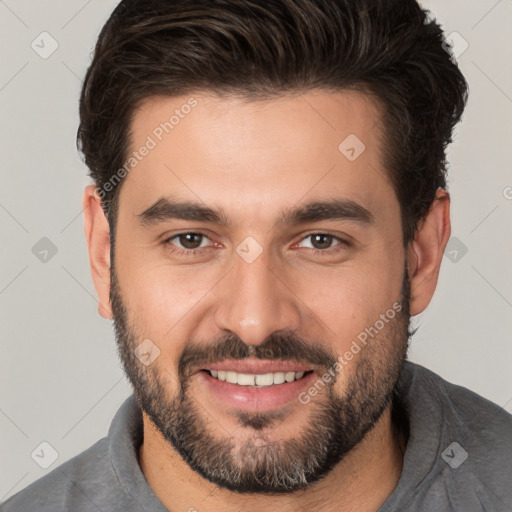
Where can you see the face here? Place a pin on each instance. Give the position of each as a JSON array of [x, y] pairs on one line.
[[259, 288]]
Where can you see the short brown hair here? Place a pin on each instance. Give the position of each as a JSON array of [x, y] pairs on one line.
[[259, 49]]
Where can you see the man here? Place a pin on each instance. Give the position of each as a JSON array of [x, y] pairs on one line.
[[268, 211]]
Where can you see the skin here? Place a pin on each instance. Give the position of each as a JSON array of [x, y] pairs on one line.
[[253, 160]]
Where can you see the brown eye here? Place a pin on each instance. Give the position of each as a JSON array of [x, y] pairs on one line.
[[321, 241], [190, 240], [189, 244]]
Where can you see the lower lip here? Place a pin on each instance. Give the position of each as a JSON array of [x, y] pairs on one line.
[[255, 399]]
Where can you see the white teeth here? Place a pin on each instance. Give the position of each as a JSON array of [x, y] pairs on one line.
[[246, 380], [289, 376], [266, 379], [279, 378], [232, 377]]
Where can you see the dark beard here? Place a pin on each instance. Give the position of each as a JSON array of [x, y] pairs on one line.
[[261, 465]]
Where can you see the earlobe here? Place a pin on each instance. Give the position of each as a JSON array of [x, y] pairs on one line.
[[425, 252], [97, 235]]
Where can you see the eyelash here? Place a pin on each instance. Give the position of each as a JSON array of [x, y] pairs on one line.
[[194, 252]]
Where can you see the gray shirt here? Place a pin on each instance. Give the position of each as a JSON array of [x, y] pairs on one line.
[[458, 458]]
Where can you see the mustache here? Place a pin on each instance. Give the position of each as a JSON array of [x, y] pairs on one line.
[[277, 346]]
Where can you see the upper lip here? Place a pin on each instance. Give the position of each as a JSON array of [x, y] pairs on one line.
[[257, 366]]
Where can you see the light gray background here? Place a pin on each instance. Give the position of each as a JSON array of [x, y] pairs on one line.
[[61, 381]]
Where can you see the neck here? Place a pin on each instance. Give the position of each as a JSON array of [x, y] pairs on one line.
[[362, 481]]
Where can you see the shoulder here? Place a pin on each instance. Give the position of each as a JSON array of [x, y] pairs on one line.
[[467, 411], [474, 447], [459, 450], [77, 482]]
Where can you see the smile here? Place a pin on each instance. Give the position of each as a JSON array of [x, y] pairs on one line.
[[256, 380]]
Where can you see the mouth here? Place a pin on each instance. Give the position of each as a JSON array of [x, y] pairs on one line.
[[254, 385], [260, 380]]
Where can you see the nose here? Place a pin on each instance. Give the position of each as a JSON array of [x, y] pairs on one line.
[[254, 302]]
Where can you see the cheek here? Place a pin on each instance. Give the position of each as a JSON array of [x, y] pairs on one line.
[[350, 298], [164, 303]]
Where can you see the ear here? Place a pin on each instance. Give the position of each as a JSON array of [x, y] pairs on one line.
[[426, 251], [97, 234]]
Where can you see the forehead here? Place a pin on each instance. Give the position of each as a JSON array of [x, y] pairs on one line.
[[255, 156]]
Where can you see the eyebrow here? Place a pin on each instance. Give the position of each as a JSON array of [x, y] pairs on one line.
[[332, 209]]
